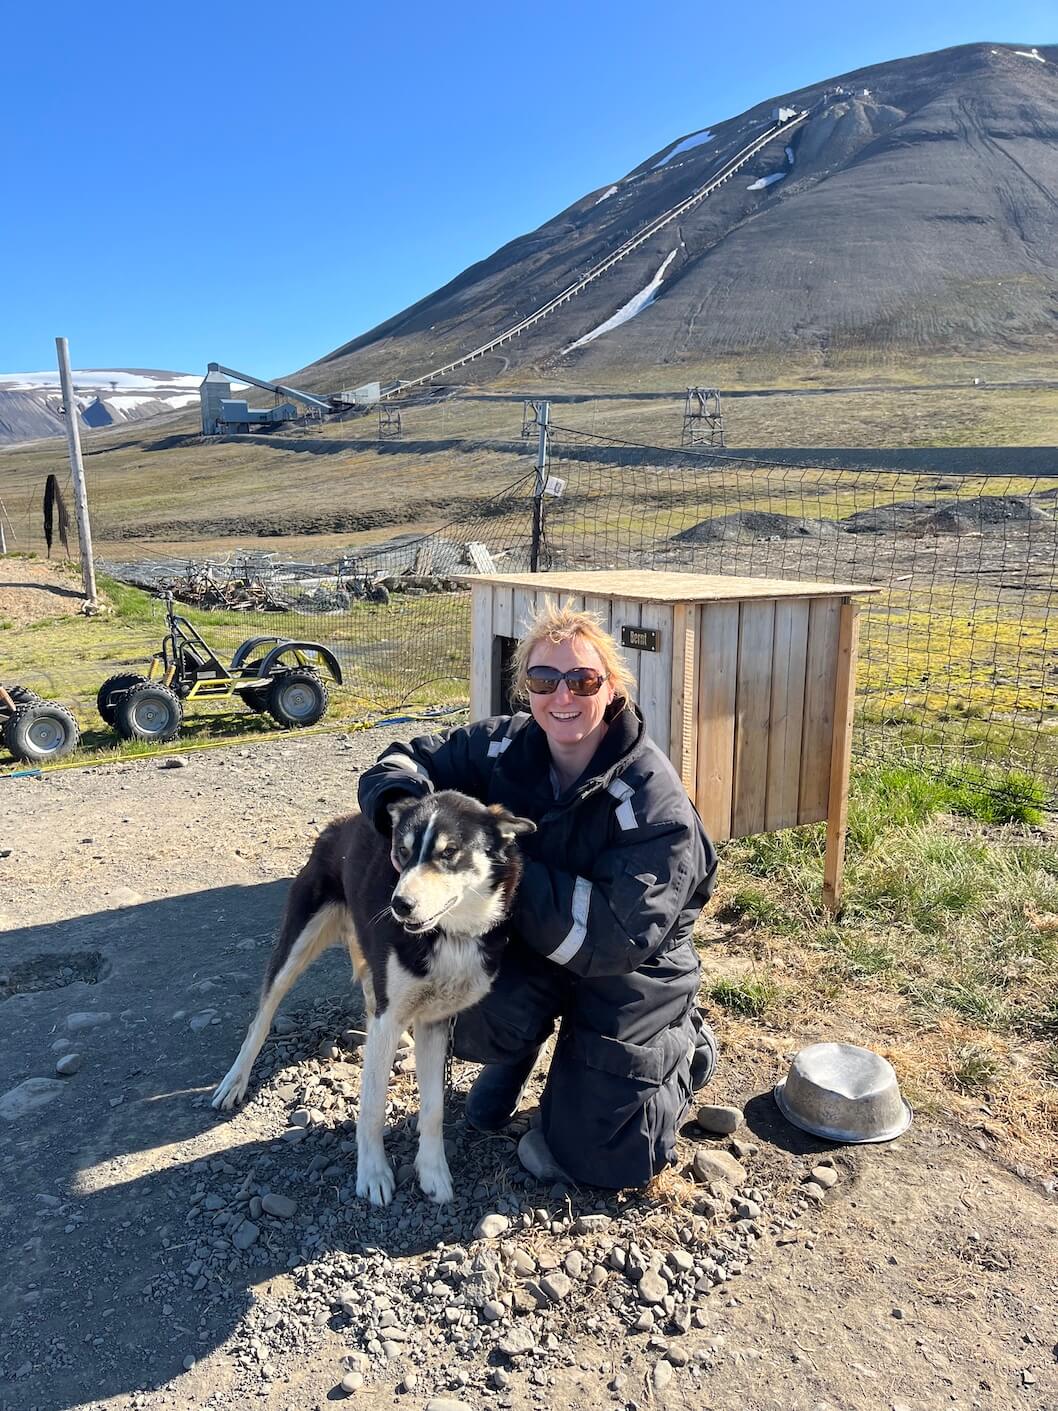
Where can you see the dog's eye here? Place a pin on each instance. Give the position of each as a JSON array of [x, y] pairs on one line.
[[449, 854]]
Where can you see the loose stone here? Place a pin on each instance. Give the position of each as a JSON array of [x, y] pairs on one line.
[[824, 1176], [710, 1166], [662, 1375], [281, 1206], [68, 1064], [652, 1288], [557, 1285], [490, 1227], [720, 1120]]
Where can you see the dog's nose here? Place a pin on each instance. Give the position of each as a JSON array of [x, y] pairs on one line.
[[401, 907]]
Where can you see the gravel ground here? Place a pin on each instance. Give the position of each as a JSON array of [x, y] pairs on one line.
[[160, 1254]]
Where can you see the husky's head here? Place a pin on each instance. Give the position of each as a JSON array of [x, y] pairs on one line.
[[458, 862]]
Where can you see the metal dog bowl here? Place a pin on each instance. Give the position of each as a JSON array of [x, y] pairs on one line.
[[843, 1093]]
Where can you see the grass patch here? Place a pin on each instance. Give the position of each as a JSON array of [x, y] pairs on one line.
[[750, 998]]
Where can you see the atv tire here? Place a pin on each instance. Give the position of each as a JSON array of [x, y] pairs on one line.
[[112, 692], [150, 712], [22, 695], [41, 732], [297, 698]]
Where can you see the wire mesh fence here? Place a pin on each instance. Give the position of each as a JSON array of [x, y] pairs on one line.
[[958, 654]]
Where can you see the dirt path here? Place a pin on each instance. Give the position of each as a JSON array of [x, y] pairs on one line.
[[141, 1268], [31, 590]]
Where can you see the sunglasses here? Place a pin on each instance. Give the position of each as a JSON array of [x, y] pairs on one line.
[[582, 680]]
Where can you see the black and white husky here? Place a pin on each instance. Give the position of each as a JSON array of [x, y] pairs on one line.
[[423, 927]]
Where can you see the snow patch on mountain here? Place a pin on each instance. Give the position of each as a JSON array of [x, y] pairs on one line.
[[635, 305], [697, 139]]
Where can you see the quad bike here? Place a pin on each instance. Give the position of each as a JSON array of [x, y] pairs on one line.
[[36, 731], [273, 675]]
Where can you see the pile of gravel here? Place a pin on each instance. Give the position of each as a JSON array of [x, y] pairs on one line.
[[753, 525], [501, 1285]]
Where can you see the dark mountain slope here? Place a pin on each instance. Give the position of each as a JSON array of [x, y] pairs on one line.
[[917, 210]]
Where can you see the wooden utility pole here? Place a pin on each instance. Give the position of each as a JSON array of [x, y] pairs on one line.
[[73, 438]]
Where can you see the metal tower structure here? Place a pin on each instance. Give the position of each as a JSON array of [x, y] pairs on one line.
[[703, 420]]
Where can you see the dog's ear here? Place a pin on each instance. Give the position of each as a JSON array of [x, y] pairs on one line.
[[509, 825], [397, 808]]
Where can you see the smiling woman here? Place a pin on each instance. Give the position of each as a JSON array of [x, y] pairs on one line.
[[600, 930]]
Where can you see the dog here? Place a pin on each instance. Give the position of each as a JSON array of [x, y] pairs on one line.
[[423, 920]]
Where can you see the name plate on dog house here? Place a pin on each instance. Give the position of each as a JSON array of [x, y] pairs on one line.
[[748, 687]]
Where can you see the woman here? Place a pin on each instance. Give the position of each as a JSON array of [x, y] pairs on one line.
[[615, 876]]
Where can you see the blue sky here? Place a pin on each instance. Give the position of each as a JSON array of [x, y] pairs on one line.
[[259, 184]]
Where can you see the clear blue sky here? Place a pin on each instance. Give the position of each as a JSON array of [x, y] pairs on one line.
[[257, 184]]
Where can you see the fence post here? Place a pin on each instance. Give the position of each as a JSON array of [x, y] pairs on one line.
[[84, 531], [543, 417]]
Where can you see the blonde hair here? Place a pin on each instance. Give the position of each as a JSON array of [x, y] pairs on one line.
[[560, 622]]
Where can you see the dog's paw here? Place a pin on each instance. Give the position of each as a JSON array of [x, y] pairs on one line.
[[374, 1180], [230, 1090], [435, 1179]]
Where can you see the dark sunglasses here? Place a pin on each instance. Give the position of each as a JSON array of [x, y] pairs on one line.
[[582, 680]]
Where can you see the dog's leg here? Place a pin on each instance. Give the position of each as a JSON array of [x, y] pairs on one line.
[[431, 1046], [297, 947], [374, 1175]]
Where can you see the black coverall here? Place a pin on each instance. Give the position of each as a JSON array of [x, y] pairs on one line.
[[615, 876]]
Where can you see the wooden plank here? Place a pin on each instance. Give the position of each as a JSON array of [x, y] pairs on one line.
[[603, 606], [683, 733], [503, 610], [481, 559], [627, 614], [789, 662], [756, 640], [523, 607], [423, 560], [662, 586], [482, 653], [655, 673], [840, 757], [824, 618], [717, 676]]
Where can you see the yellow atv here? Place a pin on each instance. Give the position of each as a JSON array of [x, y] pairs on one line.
[[273, 675]]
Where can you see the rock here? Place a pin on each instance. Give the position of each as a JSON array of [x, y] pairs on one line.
[[202, 1020], [522, 1262], [824, 1176], [557, 1285], [590, 1224], [410, 1382], [574, 1264], [173, 761], [446, 1403], [493, 1310], [352, 1381], [721, 1121], [68, 1064], [490, 1227], [814, 1192], [188, 1363], [28, 1096], [644, 1322], [598, 1276], [652, 1288], [281, 1206], [86, 1019], [661, 1375], [245, 1235], [516, 1343], [711, 1165], [300, 1117]]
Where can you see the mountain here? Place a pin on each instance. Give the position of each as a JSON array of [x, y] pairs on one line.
[[30, 401], [913, 210]]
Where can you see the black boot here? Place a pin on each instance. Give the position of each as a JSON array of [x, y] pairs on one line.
[[703, 1063], [493, 1099]]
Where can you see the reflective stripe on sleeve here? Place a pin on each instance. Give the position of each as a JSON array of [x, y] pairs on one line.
[[625, 812], [564, 953]]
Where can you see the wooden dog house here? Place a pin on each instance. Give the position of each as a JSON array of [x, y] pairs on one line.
[[746, 683]]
